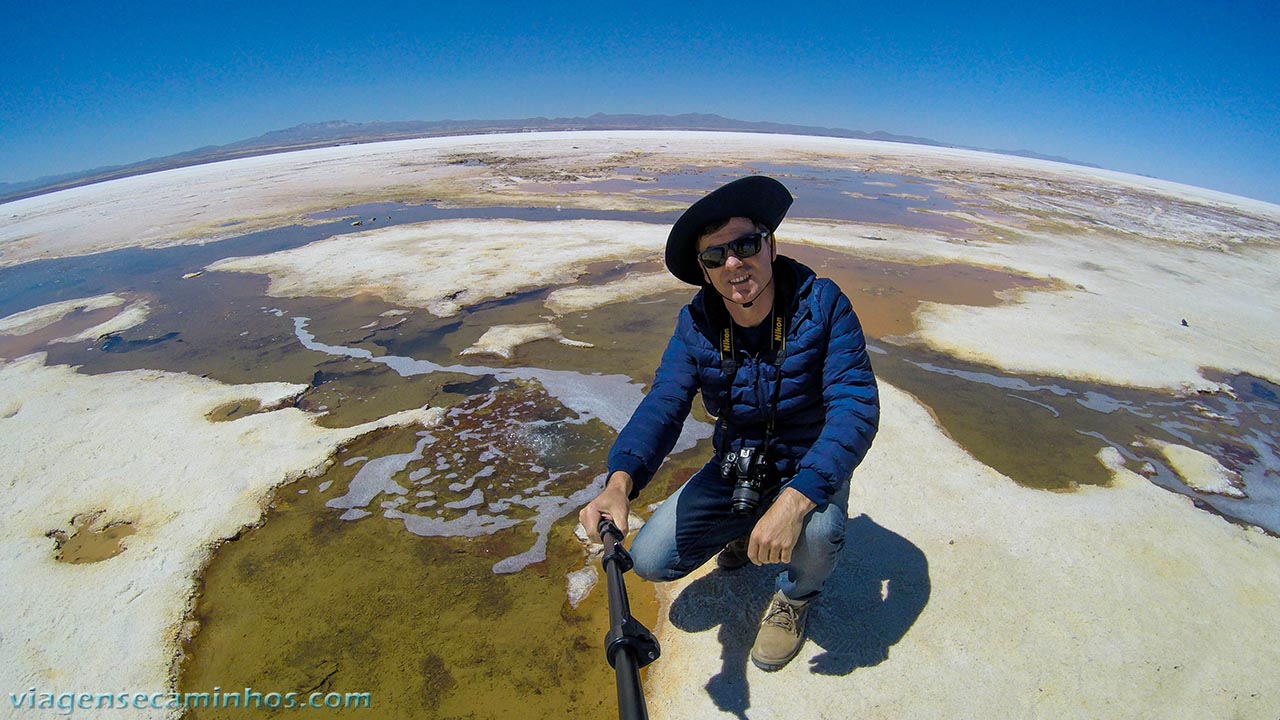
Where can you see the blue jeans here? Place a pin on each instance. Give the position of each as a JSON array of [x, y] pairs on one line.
[[696, 522]]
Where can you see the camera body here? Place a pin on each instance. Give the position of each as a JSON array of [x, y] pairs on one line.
[[752, 475]]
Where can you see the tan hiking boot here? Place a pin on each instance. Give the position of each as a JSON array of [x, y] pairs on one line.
[[734, 555], [781, 633]]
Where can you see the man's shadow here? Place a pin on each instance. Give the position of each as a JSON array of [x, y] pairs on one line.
[[870, 602]]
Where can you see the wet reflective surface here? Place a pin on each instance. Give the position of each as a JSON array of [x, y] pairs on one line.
[[820, 192]]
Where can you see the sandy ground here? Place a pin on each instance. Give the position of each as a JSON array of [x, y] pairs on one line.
[[961, 595], [134, 443]]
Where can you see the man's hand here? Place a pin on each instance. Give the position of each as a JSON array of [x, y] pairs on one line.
[[777, 532], [612, 502]]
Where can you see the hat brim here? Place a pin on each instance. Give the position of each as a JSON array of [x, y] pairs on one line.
[[758, 197]]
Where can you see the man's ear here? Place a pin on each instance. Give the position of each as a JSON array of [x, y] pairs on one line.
[[773, 247]]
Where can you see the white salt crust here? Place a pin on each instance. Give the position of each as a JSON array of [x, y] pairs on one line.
[[39, 318], [502, 340], [636, 286], [1146, 254], [137, 446], [1116, 315], [217, 200], [132, 316], [1200, 470], [446, 265], [1120, 601]]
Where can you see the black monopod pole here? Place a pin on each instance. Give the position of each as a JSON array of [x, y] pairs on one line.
[[629, 645]]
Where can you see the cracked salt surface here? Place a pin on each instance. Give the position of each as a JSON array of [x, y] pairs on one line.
[[608, 398]]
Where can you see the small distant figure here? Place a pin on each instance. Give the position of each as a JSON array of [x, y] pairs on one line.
[[1184, 323]]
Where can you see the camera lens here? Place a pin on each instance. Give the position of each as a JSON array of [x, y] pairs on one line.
[[746, 497]]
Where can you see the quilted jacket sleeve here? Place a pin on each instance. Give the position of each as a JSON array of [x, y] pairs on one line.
[[851, 404], [655, 425]]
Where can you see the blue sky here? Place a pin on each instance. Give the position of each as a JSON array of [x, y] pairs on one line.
[[1183, 91]]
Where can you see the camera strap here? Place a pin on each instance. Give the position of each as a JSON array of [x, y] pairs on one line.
[[777, 348]]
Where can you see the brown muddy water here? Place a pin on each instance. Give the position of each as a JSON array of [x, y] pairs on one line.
[[89, 540], [311, 602], [411, 568]]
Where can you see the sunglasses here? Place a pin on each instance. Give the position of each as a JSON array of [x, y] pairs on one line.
[[742, 248]]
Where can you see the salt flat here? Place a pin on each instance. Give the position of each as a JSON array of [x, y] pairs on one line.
[[207, 202], [1121, 601]]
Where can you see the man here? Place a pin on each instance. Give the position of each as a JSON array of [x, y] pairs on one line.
[[781, 361]]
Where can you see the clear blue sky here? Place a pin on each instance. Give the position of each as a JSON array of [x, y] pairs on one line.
[[1184, 91]]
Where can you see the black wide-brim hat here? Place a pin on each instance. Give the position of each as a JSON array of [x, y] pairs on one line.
[[758, 197]]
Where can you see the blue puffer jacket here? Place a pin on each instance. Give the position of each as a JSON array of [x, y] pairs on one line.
[[828, 405]]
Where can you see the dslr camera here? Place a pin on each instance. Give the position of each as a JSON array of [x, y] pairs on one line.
[[752, 475]]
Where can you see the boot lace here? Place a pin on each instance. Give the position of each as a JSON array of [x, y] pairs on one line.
[[782, 615]]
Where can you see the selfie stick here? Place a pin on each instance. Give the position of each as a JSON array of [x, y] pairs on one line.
[[629, 645]]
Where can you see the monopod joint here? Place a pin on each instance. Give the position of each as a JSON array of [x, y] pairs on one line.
[[634, 635], [618, 556]]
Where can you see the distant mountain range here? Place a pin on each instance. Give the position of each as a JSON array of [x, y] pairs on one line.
[[311, 135]]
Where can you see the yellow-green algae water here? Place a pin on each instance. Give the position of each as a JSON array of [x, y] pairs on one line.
[[307, 602]]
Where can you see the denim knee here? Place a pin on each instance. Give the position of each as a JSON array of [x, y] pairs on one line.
[[826, 529], [654, 557], [817, 553]]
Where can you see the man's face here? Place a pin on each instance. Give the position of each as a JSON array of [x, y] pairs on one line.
[[740, 280]]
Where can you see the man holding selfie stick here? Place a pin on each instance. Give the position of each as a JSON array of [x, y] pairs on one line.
[[781, 361]]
